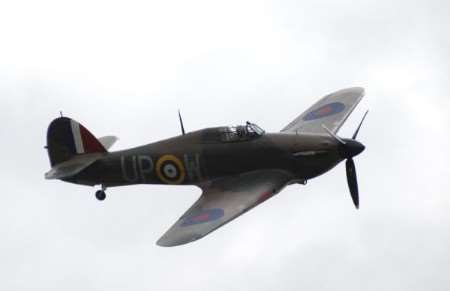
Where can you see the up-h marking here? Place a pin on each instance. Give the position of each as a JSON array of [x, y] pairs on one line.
[[168, 168]]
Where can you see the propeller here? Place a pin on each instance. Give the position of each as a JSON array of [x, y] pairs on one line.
[[348, 149], [359, 126], [352, 181], [354, 150]]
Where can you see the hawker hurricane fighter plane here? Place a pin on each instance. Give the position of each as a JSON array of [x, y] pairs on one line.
[[236, 168]]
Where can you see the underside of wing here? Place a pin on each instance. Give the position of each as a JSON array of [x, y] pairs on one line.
[[331, 111], [222, 201]]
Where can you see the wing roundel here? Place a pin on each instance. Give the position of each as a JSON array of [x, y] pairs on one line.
[[222, 201]]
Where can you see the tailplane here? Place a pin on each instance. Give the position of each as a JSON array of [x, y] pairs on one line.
[[67, 139]]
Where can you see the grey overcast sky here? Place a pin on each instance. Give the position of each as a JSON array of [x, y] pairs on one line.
[[125, 67]]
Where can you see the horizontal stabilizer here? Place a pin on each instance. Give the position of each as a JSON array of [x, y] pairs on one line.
[[108, 141], [72, 167]]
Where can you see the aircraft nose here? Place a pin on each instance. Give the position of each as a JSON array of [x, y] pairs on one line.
[[351, 148]]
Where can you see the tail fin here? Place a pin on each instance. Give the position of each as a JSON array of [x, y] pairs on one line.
[[67, 138]]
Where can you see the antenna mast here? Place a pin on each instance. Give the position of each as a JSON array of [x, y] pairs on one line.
[[181, 122]]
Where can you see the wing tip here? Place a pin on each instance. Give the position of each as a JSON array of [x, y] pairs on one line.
[[166, 241], [357, 90], [163, 242]]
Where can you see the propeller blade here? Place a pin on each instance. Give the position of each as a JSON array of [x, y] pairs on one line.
[[352, 181], [359, 126]]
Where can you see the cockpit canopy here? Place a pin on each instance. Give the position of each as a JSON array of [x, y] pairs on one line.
[[241, 132], [229, 134]]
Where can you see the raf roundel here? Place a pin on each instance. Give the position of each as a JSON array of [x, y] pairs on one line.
[[170, 170], [324, 111], [204, 216]]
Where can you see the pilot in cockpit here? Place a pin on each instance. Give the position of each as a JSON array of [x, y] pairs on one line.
[[241, 131]]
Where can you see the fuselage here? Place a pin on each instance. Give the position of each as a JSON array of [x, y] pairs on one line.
[[205, 155]]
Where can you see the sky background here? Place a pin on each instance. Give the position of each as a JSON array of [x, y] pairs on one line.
[[125, 67]]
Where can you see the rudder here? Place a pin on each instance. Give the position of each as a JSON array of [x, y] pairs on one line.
[[67, 138]]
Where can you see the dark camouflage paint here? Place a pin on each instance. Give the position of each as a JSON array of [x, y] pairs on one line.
[[216, 158]]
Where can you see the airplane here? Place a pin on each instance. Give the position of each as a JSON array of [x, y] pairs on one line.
[[236, 167]]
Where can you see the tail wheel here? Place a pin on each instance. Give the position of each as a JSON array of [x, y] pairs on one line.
[[100, 195]]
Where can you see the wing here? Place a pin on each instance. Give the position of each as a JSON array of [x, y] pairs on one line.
[[331, 111], [222, 201]]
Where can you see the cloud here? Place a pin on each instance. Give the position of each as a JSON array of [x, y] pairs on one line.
[[125, 68]]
